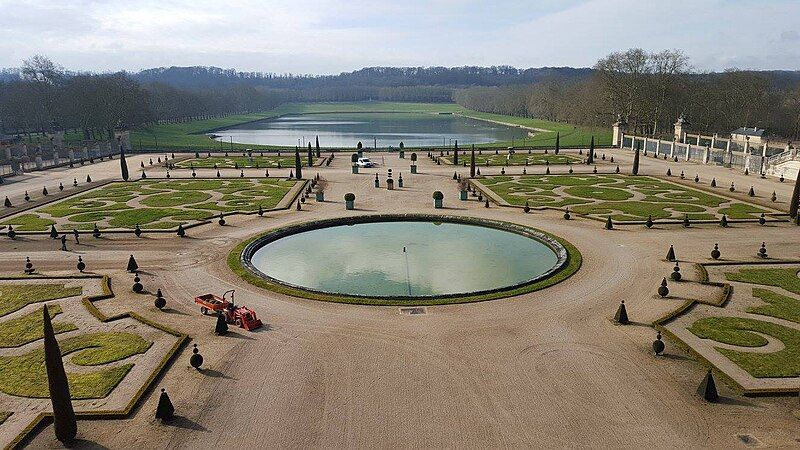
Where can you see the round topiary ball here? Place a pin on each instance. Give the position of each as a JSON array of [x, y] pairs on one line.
[[349, 197], [437, 195]]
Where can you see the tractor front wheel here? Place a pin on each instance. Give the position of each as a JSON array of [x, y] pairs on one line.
[[204, 310]]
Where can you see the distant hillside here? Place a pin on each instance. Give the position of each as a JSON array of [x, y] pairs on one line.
[[199, 76]]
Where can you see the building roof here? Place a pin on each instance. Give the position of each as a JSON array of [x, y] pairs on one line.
[[747, 131]]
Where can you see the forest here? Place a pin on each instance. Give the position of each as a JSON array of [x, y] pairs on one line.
[[648, 89]]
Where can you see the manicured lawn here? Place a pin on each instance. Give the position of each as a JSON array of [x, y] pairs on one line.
[[785, 278], [155, 204], [520, 158], [744, 333], [14, 297], [623, 197], [25, 375], [243, 162], [29, 328], [778, 305], [192, 135]]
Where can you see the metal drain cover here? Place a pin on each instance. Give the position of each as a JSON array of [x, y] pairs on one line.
[[749, 440], [413, 311]]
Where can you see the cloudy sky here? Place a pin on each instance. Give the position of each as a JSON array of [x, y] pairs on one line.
[[330, 36]]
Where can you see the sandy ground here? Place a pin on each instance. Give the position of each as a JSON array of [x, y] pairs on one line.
[[547, 369]]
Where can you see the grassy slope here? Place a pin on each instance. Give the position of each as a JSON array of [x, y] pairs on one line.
[[183, 136]]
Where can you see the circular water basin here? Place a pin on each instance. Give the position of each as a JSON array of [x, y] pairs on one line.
[[405, 257]]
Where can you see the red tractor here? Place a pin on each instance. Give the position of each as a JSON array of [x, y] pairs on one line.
[[242, 316]]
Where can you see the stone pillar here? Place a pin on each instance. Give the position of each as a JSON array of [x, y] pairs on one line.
[[764, 149], [658, 146], [672, 148], [71, 154], [39, 164], [621, 139], [747, 152], [633, 142], [707, 155], [688, 151], [644, 146], [618, 131], [713, 140], [86, 153], [7, 151]]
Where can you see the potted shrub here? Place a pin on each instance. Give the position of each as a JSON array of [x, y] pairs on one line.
[[413, 163], [354, 160], [437, 199], [402, 150], [349, 200], [320, 192], [463, 187]]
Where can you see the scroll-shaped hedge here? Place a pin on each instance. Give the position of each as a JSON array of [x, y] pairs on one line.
[[24, 375], [748, 333]]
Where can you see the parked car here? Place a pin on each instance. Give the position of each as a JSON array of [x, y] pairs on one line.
[[364, 162]]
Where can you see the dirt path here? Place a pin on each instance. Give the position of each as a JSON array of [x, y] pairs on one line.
[[547, 369]]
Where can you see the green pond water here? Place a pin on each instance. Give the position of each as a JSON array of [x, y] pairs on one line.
[[404, 259], [388, 129]]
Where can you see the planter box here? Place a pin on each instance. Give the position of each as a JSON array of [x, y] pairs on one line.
[[414, 169], [437, 203], [463, 195], [349, 205], [355, 169], [320, 196]]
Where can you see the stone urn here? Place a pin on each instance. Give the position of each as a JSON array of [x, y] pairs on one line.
[[437, 199]]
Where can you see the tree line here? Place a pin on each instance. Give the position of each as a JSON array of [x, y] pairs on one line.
[[650, 90]]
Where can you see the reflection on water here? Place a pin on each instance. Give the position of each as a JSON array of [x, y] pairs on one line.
[[404, 258], [345, 130]]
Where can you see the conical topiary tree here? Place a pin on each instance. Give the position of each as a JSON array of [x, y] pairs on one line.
[[123, 165], [609, 224], [310, 155], [132, 265], [621, 317], [53, 232], [471, 163], [297, 164], [64, 423], [181, 232], [635, 169], [317, 145], [221, 327], [708, 388], [455, 153], [590, 159], [558, 142], [8, 203], [794, 203], [164, 411], [671, 254]]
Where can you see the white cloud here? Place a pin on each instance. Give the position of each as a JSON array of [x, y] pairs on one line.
[[326, 36]]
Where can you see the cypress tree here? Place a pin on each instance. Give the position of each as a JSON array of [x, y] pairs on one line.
[[795, 202], [64, 423], [297, 164], [310, 156], [455, 154], [558, 142], [472, 162], [123, 165], [635, 170], [590, 160], [317, 143]]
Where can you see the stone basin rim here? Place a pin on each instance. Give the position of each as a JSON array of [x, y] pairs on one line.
[[562, 254]]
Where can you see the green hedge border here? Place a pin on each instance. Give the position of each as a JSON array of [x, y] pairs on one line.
[[660, 325], [44, 418], [573, 263], [289, 198]]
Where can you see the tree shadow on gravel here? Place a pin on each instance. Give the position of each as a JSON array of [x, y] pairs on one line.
[[186, 423]]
